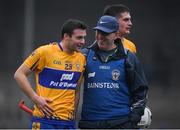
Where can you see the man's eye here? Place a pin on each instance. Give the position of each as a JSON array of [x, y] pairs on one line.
[[103, 33], [126, 19], [80, 37]]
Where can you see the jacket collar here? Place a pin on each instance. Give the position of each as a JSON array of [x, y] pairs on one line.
[[119, 53]]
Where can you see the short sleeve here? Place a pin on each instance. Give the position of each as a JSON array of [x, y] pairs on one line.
[[36, 60]]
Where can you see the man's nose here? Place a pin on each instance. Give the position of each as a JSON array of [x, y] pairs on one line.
[[130, 23], [83, 41]]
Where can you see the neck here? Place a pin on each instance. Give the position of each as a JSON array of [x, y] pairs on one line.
[[121, 35], [64, 45]]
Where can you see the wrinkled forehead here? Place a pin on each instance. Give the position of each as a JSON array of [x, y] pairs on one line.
[[101, 32], [79, 32], [124, 15]]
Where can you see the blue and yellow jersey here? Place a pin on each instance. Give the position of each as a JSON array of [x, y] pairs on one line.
[[129, 45], [57, 75]]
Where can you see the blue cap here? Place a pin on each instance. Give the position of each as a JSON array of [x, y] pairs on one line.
[[107, 24]]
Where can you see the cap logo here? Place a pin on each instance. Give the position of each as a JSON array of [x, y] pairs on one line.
[[101, 22]]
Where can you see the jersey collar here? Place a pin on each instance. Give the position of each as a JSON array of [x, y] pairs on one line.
[[60, 46]]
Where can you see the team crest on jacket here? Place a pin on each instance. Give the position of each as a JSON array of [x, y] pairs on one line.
[[115, 75]]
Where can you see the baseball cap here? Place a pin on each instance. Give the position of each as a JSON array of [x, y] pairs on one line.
[[107, 24]]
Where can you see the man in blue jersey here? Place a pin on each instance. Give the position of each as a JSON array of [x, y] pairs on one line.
[[115, 86]]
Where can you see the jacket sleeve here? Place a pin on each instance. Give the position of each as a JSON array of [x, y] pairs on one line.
[[138, 87]]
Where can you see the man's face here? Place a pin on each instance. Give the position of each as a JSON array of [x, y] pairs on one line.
[[105, 41], [77, 40], [125, 23]]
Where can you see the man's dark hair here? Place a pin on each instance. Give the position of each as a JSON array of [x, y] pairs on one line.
[[115, 10], [70, 25]]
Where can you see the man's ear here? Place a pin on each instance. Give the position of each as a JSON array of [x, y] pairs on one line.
[[66, 36], [117, 35]]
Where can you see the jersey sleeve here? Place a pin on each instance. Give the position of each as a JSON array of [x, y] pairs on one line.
[[36, 60]]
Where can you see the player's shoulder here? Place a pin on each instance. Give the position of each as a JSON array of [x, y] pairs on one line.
[[80, 54], [48, 47], [129, 42], [129, 45], [80, 57]]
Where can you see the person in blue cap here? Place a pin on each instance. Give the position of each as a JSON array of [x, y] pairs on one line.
[[115, 87]]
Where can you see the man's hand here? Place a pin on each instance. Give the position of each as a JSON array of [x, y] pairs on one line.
[[42, 104]]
